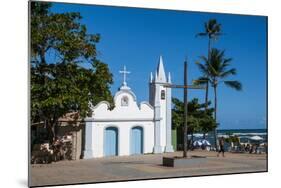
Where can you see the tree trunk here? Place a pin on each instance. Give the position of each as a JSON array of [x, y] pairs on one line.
[[209, 47], [191, 143], [51, 131], [215, 117], [206, 95], [207, 83], [42, 56]]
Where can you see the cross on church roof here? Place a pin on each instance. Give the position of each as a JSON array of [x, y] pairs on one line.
[[124, 72]]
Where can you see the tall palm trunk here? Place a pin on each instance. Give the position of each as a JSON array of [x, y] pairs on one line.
[[209, 47], [206, 103], [215, 116], [207, 85], [206, 95]]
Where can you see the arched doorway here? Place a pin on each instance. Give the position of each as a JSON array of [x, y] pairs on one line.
[[136, 140], [111, 141]]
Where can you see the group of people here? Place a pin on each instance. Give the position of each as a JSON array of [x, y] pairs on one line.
[[250, 148], [253, 148]]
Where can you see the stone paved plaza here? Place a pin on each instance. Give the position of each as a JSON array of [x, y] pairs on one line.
[[142, 167]]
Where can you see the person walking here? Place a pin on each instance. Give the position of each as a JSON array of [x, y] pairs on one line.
[[221, 145]]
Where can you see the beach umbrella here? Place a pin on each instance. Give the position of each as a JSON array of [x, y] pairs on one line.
[[198, 135], [205, 142], [256, 138], [197, 143], [262, 144]]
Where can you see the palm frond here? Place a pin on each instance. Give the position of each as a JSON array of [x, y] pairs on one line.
[[225, 64], [212, 64], [203, 68], [201, 34], [218, 63], [226, 61], [217, 27], [234, 84], [212, 28], [228, 73], [205, 59]]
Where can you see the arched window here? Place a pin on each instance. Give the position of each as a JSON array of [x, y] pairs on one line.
[[125, 101]]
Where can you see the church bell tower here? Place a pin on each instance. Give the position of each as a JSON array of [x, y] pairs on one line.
[[160, 99]]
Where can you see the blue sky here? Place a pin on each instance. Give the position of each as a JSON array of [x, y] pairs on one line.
[[136, 37]]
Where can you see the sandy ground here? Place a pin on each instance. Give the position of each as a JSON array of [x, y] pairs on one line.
[[142, 167]]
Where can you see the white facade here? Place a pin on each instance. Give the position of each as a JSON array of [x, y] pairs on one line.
[[130, 128]]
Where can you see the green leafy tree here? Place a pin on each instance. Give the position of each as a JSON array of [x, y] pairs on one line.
[[217, 70], [199, 120], [207, 124], [233, 139], [66, 76]]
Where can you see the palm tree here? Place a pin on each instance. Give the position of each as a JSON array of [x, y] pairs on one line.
[[216, 70], [212, 31]]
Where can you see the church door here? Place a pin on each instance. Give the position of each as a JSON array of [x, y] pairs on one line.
[[111, 141], [137, 140]]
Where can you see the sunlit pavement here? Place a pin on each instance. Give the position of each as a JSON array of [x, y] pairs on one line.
[[142, 167]]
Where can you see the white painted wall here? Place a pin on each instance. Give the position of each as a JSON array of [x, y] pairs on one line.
[[163, 120], [124, 118], [132, 111], [124, 129]]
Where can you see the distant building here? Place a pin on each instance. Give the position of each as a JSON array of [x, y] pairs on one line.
[[70, 124], [130, 128]]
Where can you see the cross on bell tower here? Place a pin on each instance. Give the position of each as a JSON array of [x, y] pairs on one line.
[[124, 72]]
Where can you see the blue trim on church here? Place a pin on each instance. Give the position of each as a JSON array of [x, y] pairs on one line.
[[136, 140], [111, 141]]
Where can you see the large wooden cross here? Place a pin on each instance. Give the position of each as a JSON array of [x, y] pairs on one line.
[[185, 88]]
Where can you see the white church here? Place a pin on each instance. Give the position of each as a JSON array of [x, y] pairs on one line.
[[131, 128]]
